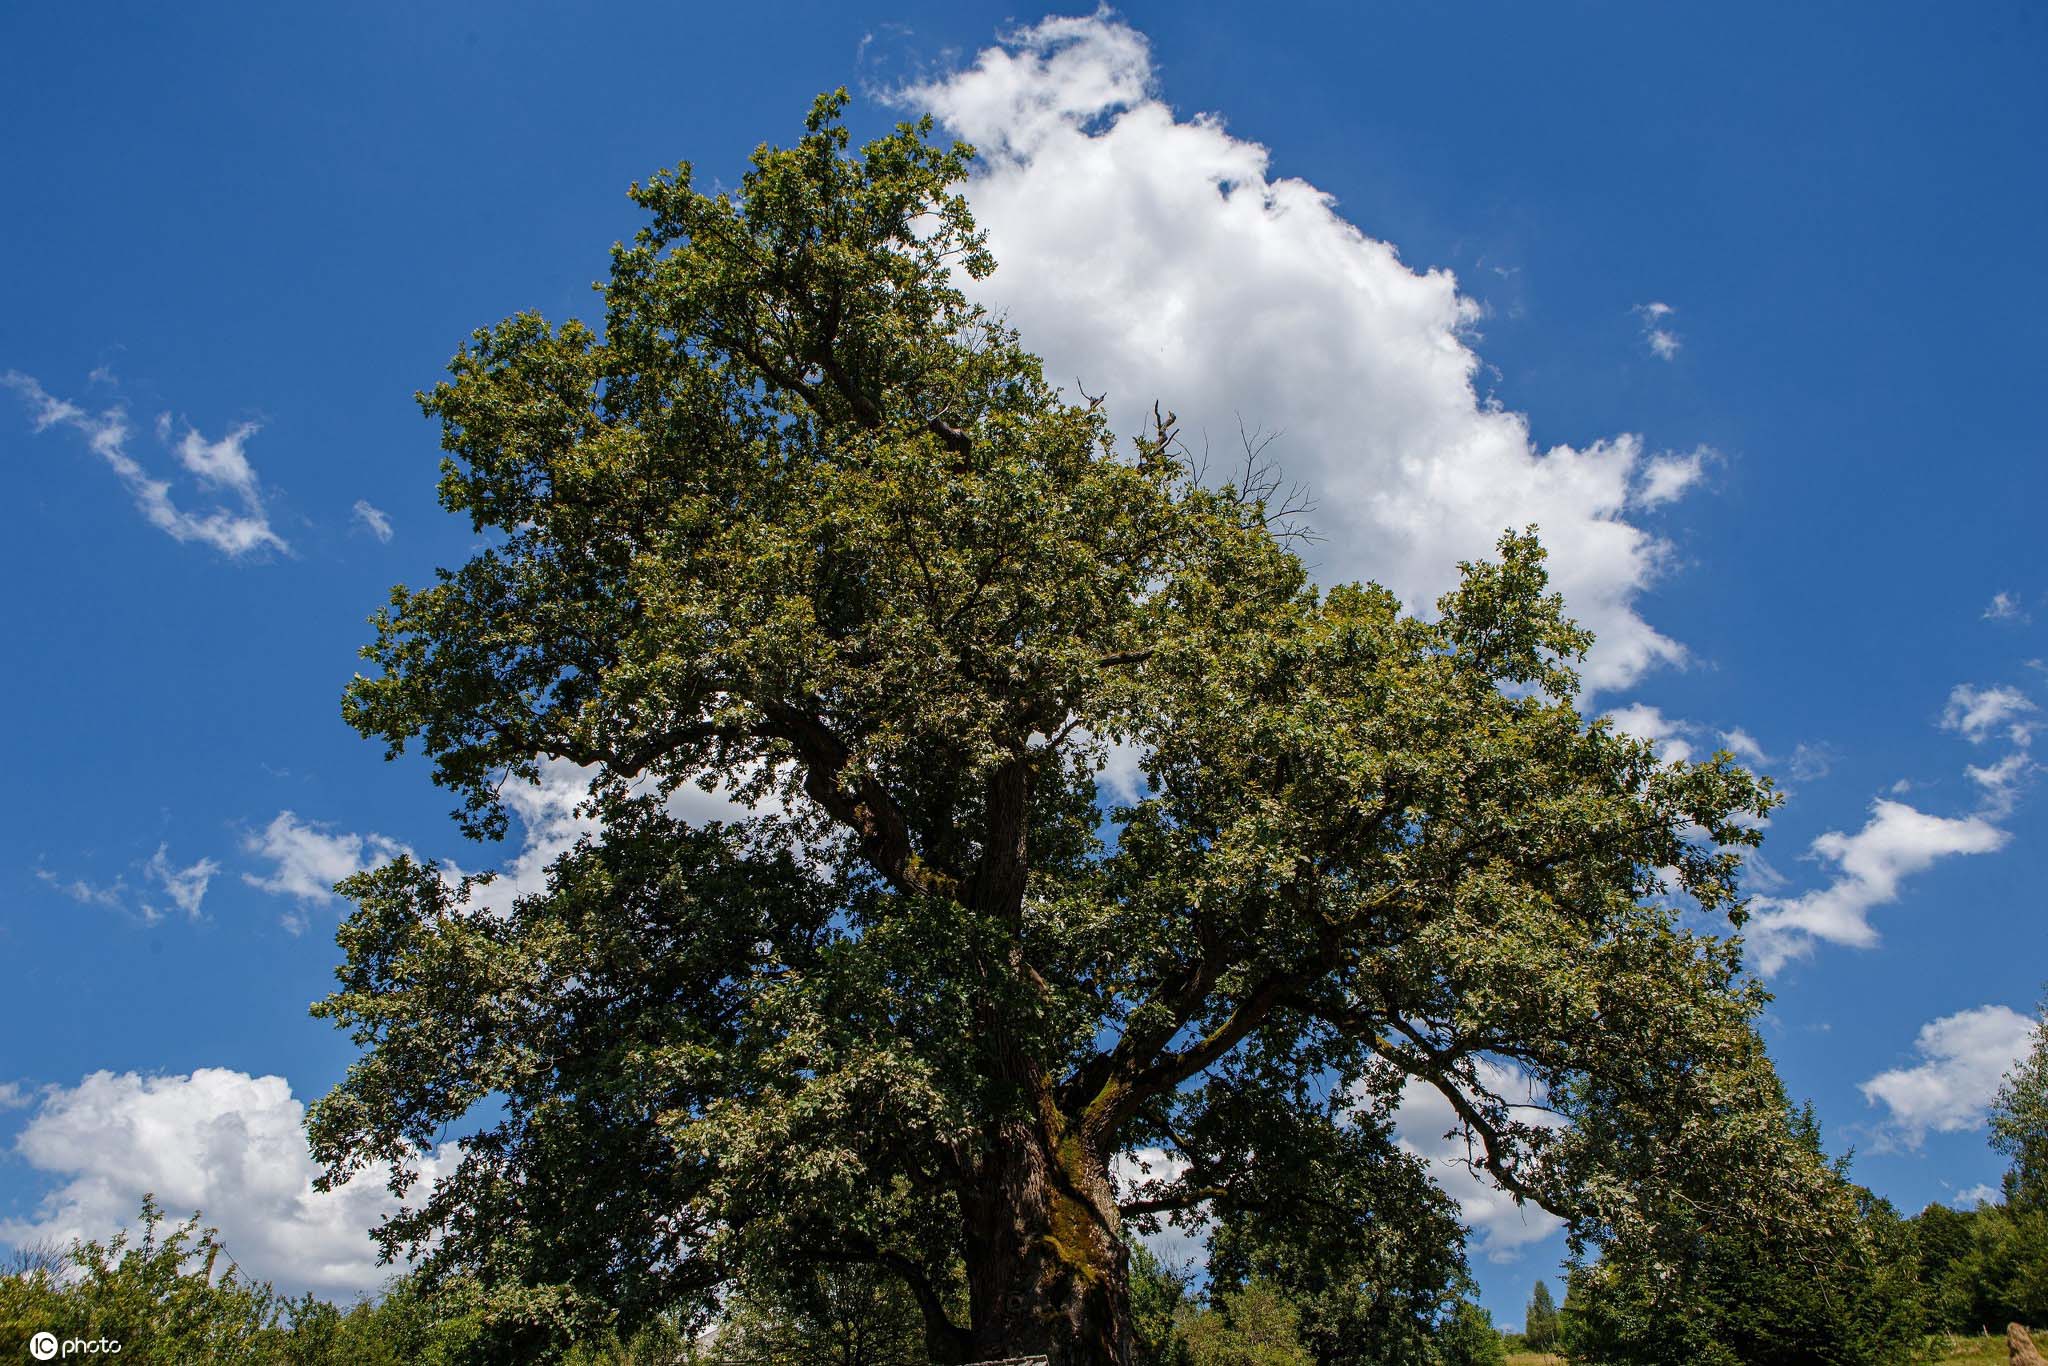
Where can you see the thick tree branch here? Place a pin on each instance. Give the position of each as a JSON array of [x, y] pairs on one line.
[[1168, 1204], [867, 809]]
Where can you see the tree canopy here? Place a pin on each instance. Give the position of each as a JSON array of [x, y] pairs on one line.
[[800, 523], [1539, 1321], [2019, 1122]]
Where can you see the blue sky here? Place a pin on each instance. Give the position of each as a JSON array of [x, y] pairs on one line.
[[1744, 307]]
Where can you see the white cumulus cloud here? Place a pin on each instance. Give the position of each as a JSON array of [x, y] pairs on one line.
[[1962, 1058], [1155, 257], [221, 466], [1182, 1244], [1979, 1194], [221, 1142]]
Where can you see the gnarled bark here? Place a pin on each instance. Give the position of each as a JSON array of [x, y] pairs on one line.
[[1046, 1264]]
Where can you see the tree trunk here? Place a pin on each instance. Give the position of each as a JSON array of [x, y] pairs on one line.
[[1046, 1267]]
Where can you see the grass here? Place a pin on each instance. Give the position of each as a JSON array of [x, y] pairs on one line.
[[1979, 1351], [1948, 1351]]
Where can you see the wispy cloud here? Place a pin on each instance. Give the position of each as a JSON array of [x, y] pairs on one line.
[[1657, 334], [373, 519], [1977, 714], [2005, 607], [109, 894], [1900, 840], [240, 527], [186, 887], [1745, 747]]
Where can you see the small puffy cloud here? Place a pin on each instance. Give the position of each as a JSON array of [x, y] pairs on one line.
[[373, 519], [1645, 722], [221, 1142], [2005, 607], [186, 887], [1977, 714], [308, 857], [1667, 478], [1147, 255], [1744, 746], [14, 1096], [1427, 1126], [1962, 1059], [1664, 343], [1979, 1194], [1895, 843], [236, 529]]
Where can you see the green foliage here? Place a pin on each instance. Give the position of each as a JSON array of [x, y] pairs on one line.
[[1539, 1324], [1349, 1226], [1252, 1325], [842, 1316], [1467, 1337], [1830, 1279], [165, 1297], [801, 523], [175, 1296], [1982, 1268], [2019, 1122], [1159, 1304]]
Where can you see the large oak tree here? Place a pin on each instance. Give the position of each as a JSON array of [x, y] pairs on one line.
[[800, 522]]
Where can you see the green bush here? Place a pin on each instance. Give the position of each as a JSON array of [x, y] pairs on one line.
[[1467, 1337]]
